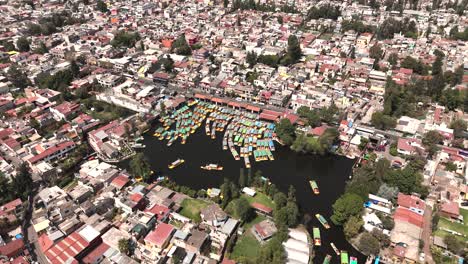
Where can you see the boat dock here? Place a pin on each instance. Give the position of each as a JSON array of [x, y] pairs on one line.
[[244, 134]]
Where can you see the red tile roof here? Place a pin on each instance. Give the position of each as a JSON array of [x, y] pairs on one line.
[[120, 181], [410, 201], [451, 208], [4, 133], [261, 207], [136, 197], [96, 253], [228, 261], [44, 242], [51, 151], [10, 206], [399, 251], [406, 215], [318, 131], [12, 248], [159, 210], [160, 235], [67, 249]]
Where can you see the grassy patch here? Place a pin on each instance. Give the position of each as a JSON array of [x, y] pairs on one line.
[[464, 212], [177, 224], [191, 208], [256, 220], [247, 247], [71, 185], [260, 198], [460, 228]]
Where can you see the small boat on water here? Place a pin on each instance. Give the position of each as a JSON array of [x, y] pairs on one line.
[[335, 249], [247, 161], [316, 234], [212, 167], [314, 186], [327, 259], [353, 260], [344, 257], [176, 163], [323, 221]]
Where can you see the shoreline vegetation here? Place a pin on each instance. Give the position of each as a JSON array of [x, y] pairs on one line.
[[244, 247]]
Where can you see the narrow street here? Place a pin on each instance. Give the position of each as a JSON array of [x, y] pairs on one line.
[[426, 235]]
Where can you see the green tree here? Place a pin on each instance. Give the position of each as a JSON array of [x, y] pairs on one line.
[[432, 137], [294, 51], [388, 192], [17, 77], [285, 131], [42, 49], [453, 244], [387, 222], [459, 127], [181, 47], [437, 66], [376, 52], [125, 39], [242, 178], [368, 244], [349, 204], [382, 121], [226, 192], [168, 63], [270, 60], [293, 213], [251, 59], [450, 166], [352, 226], [225, 3], [244, 210], [393, 59], [101, 6], [280, 200], [23, 183], [74, 68], [139, 166], [124, 246], [23, 44], [312, 117], [5, 189]]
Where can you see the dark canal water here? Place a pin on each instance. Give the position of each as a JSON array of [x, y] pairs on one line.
[[288, 168]]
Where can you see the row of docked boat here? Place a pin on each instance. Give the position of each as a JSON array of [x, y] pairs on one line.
[[186, 120], [251, 136]]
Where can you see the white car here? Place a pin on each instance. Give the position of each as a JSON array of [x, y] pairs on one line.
[[422, 257]]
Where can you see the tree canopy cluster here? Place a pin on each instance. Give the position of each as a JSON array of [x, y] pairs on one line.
[[267, 7], [293, 55], [356, 25], [101, 6], [140, 167], [49, 24], [125, 39], [381, 179], [19, 187], [392, 26], [459, 35], [17, 77], [180, 46], [325, 11], [58, 81], [315, 145]]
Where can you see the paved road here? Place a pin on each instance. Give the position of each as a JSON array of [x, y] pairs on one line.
[[426, 235]]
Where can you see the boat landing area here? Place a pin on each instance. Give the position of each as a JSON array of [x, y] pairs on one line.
[[243, 133]]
